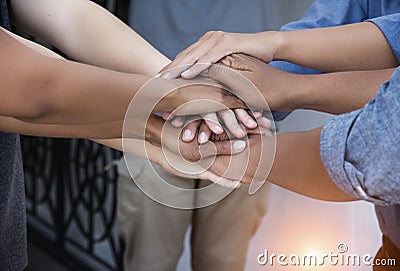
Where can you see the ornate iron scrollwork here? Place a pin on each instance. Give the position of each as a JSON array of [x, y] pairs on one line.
[[72, 192]]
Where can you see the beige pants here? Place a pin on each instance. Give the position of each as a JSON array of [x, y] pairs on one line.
[[154, 234]]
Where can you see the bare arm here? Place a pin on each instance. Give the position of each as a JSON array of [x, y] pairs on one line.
[[360, 46], [335, 93], [44, 89], [88, 33], [297, 165], [341, 92]]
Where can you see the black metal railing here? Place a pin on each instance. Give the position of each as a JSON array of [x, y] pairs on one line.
[[71, 191]]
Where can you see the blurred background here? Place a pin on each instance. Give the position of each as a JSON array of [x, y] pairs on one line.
[[71, 190]]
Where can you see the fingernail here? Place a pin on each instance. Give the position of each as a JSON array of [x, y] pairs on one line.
[[187, 73], [233, 184], [218, 129], [241, 133], [187, 135], [165, 75], [158, 75], [239, 145], [251, 122], [202, 138], [257, 114], [177, 122]]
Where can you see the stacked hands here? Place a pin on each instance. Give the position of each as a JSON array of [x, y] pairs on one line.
[[216, 120]]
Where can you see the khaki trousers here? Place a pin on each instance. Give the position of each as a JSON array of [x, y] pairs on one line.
[[154, 234]]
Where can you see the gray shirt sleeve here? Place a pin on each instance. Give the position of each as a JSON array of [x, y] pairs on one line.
[[361, 149]]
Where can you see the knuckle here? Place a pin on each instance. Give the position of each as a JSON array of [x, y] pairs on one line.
[[226, 36], [181, 54], [194, 154], [209, 33], [226, 147]]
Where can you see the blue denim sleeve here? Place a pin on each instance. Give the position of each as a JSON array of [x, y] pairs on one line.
[[390, 27], [360, 150], [323, 13]]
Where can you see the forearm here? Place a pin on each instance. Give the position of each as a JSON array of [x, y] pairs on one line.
[[360, 46], [337, 93], [298, 167], [107, 130], [88, 33], [136, 147], [100, 130]]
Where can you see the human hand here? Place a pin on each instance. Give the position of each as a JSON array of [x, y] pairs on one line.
[[193, 151], [235, 121], [251, 165], [191, 159], [279, 90], [204, 133], [197, 96], [161, 133], [215, 45]]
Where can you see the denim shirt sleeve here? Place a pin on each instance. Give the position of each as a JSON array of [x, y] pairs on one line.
[[324, 13], [390, 27], [361, 149]]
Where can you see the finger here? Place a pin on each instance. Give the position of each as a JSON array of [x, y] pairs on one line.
[[227, 76], [218, 52], [257, 114], [245, 118], [190, 131], [224, 182], [204, 133], [231, 123], [166, 116], [212, 121], [190, 55], [264, 122], [226, 147], [178, 121]]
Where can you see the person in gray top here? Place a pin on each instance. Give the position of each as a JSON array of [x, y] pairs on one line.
[[44, 94]]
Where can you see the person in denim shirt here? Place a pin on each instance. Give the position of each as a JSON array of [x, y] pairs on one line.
[[355, 136]]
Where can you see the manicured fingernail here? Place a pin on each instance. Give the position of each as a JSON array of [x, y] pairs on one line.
[[165, 75], [202, 138], [239, 145], [187, 135]]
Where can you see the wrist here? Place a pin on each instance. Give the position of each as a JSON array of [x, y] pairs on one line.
[[302, 95], [279, 41], [153, 131], [168, 90]]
